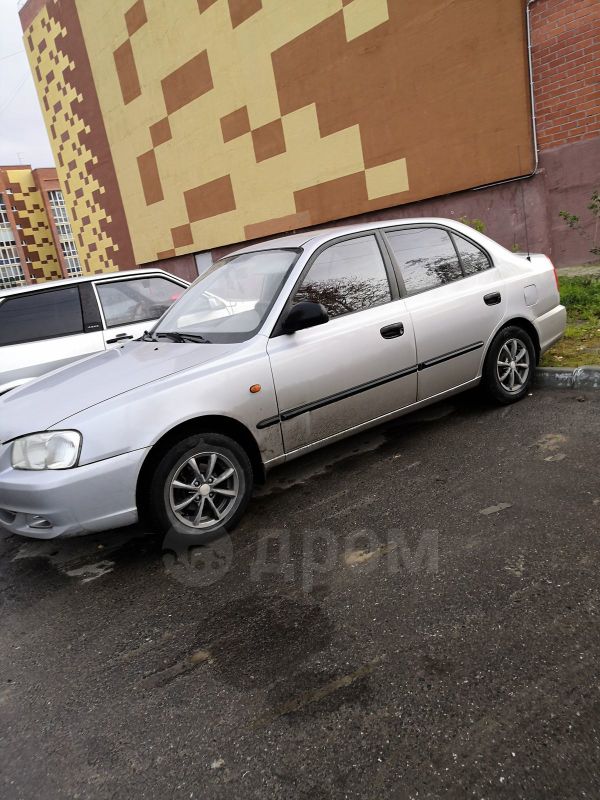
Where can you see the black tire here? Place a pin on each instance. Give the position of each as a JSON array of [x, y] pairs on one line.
[[175, 464], [496, 379]]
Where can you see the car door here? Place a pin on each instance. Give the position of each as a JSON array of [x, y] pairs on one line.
[[43, 330], [358, 366], [455, 300], [132, 305]]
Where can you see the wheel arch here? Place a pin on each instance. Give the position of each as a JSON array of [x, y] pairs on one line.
[[527, 326], [208, 424]]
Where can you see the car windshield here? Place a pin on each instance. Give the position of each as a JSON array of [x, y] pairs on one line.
[[229, 303]]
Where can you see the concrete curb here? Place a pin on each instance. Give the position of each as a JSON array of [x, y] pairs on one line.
[[568, 378]]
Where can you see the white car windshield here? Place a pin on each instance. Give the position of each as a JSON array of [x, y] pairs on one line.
[[229, 303]]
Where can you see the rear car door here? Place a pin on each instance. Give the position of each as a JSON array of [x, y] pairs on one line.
[[358, 366], [455, 300], [132, 305], [43, 330]]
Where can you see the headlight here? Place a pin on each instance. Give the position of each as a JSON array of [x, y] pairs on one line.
[[50, 450]]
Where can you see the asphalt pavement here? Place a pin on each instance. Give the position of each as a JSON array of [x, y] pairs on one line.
[[412, 613]]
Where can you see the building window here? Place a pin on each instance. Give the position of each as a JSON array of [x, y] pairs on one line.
[[11, 271], [59, 208], [65, 234], [64, 230], [71, 258]]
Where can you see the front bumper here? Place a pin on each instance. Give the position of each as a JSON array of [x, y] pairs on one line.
[[87, 499]]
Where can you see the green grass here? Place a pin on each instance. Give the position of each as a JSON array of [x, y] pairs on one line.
[[581, 342], [581, 296]]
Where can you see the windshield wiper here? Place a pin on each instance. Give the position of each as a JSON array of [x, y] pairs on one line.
[[175, 336]]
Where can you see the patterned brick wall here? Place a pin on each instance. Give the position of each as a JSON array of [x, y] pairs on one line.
[[182, 126], [36, 232], [566, 70], [59, 62]]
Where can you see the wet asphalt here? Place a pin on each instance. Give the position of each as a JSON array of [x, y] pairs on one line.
[[412, 613]]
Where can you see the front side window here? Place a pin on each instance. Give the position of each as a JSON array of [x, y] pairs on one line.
[[40, 315], [348, 276], [426, 257], [230, 302], [137, 300]]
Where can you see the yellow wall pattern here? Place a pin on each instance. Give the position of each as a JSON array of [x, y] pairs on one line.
[[240, 63], [35, 225], [212, 122], [57, 96]]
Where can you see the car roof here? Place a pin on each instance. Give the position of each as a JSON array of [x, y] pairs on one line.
[[137, 273], [318, 236]]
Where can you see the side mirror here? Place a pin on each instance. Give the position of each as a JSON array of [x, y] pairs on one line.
[[305, 315]]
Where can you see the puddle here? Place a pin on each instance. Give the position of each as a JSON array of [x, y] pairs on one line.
[[254, 640], [84, 558], [91, 572], [320, 462]]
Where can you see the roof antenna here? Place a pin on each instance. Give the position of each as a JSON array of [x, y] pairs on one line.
[[523, 205]]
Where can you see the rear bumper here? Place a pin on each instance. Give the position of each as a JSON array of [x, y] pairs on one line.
[[95, 497], [551, 327]]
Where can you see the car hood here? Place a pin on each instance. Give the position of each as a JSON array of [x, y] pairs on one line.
[[50, 399]]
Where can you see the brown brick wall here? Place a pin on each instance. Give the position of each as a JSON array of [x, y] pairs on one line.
[[566, 70]]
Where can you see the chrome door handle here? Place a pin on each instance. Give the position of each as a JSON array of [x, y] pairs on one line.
[[492, 299], [120, 337], [392, 331]]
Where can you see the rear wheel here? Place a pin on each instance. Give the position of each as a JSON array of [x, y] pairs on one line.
[[201, 486], [509, 365]]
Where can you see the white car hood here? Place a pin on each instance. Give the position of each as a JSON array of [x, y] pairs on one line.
[[50, 399]]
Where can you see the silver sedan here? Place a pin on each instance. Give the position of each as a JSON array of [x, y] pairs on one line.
[[278, 349]]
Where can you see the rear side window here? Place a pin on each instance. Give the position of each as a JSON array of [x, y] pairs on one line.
[[472, 258], [426, 257], [40, 315], [136, 300], [348, 276]]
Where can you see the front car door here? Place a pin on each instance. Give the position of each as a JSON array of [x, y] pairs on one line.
[[132, 305], [455, 300], [358, 366], [43, 330]]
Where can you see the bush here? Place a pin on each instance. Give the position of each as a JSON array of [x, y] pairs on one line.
[[581, 297]]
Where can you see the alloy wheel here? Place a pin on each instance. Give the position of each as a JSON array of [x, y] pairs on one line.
[[204, 489], [513, 365]]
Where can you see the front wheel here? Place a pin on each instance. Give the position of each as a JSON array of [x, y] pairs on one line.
[[201, 486], [509, 365]]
